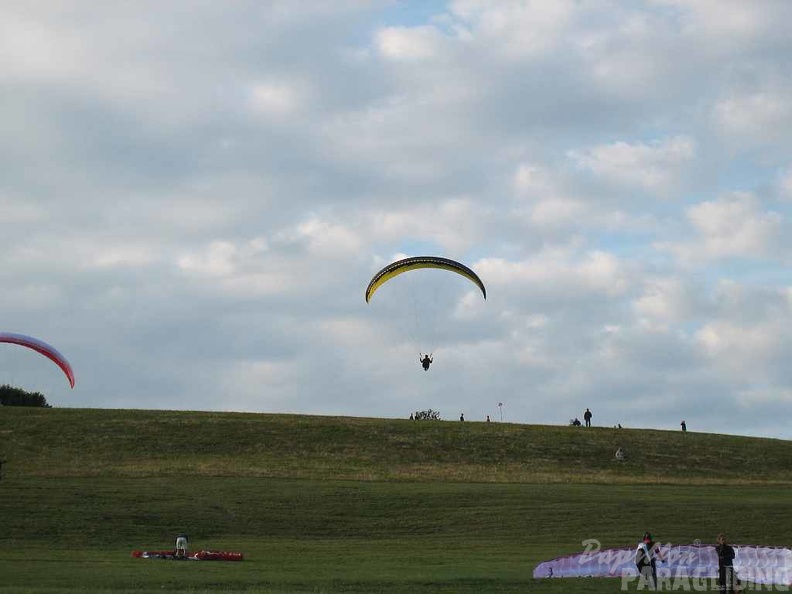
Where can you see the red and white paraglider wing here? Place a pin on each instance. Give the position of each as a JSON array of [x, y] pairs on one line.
[[40, 347]]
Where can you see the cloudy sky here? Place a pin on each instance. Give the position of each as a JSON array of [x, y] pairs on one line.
[[194, 196]]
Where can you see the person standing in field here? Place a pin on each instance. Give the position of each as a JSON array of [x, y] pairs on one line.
[[727, 579], [646, 556], [684, 427], [587, 417], [181, 546]]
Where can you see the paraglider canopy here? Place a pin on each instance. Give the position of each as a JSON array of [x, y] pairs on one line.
[[40, 347], [415, 262], [423, 304]]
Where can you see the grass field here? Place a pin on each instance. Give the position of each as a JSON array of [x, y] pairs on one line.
[[327, 504]]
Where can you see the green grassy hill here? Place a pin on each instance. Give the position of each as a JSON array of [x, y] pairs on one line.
[[126, 443], [330, 504]]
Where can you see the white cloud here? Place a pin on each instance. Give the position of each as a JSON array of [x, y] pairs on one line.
[[245, 380], [33, 297], [245, 270], [732, 226], [516, 29], [548, 201], [784, 183], [531, 179], [454, 224], [604, 272], [557, 212], [737, 347], [731, 22], [417, 43], [747, 335], [32, 49], [134, 255], [20, 211], [217, 260], [544, 194], [755, 117], [774, 396], [277, 98], [560, 270], [190, 213], [634, 56], [77, 253], [322, 239], [657, 167], [418, 136], [664, 300]]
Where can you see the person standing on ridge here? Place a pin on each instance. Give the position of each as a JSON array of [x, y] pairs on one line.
[[587, 417]]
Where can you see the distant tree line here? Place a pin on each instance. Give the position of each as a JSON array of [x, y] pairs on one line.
[[11, 396]]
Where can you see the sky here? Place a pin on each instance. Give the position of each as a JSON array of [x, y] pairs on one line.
[[195, 195]]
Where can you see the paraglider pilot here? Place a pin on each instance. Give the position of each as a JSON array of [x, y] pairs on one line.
[[426, 361], [646, 556]]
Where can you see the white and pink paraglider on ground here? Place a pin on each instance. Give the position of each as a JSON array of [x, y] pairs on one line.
[[758, 564]]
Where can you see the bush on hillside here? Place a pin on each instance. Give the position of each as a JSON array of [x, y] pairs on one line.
[[427, 415], [11, 396]]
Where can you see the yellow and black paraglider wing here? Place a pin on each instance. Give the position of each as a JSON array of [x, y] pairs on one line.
[[407, 264]]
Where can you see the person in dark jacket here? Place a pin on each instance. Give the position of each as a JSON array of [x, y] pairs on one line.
[[646, 557], [587, 417], [727, 579]]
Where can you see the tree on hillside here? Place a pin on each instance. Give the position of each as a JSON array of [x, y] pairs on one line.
[[11, 396]]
